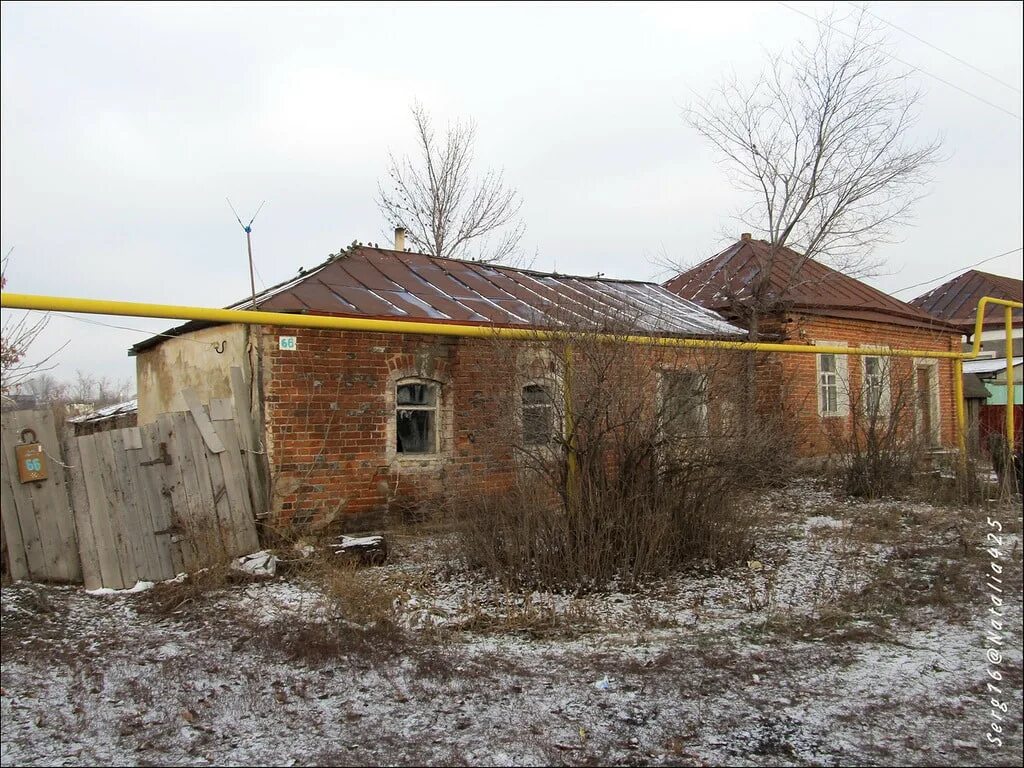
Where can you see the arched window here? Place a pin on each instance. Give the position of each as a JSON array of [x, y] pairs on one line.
[[538, 415], [416, 427]]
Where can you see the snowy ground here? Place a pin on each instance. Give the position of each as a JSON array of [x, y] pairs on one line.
[[857, 636]]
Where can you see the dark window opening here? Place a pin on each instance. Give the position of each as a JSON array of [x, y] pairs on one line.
[[538, 415], [416, 418]]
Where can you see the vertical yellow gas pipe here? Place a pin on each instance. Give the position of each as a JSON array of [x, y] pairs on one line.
[[1009, 380], [958, 395]]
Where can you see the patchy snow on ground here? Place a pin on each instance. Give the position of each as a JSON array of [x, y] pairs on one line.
[[858, 638]]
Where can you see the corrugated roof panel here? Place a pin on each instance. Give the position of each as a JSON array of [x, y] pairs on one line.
[[956, 300], [369, 282]]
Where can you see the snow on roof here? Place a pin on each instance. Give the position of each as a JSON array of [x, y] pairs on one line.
[[989, 365], [128, 406]]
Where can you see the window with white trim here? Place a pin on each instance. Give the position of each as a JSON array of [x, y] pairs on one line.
[[828, 385], [874, 375], [416, 414], [538, 416]]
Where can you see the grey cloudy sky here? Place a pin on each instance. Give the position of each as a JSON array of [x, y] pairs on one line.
[[125, 126]]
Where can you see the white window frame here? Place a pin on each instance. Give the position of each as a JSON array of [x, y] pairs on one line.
[[842, 376], [936, 402], [436, 408], [885, 369]]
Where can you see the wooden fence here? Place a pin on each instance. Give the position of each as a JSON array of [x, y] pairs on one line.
[[148, 502], [37, 526]]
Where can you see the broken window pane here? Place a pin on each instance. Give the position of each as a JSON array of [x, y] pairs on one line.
[[416, 418], [538, 415], [415, 431], [417, 394]]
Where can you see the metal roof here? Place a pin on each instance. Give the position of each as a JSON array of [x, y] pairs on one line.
[[794, 282], [401, 285], [119, 409], [989, 364], [956, 301]]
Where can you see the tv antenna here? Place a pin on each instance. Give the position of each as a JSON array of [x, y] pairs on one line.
[[247, 228]]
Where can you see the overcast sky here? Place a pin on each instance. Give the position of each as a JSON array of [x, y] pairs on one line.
[[125, 126]]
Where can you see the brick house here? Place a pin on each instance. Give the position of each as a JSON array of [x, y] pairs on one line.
[[956, 302], [803, 301], [360, 423]]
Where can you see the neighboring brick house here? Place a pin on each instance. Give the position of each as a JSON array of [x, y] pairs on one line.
[[805, 302], [359, 423], [956, 302]]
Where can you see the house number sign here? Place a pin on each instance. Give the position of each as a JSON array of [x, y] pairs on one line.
[[286, 343], [31, 459]]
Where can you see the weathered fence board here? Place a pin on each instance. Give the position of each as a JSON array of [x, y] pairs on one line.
[[149, 502], [38, 525], [91, 572]]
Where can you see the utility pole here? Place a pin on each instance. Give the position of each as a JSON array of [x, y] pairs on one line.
[[256, 378], [247, 228]]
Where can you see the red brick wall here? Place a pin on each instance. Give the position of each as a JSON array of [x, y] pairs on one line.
[[799, 372], [330, 424], [330, 406]]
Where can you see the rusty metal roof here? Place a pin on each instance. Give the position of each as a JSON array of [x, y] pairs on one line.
[[956, 301], [400, 285], [794, 282], [378, 283]]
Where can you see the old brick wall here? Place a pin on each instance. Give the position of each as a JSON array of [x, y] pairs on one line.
[[330, 423], [799, 377]]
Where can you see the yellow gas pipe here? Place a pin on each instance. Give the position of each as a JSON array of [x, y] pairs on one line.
[[251, 317]]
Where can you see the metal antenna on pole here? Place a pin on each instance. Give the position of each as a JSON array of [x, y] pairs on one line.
[[247, 228]]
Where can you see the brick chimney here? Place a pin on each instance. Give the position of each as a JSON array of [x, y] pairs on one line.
[[745, 236], [399, 238]]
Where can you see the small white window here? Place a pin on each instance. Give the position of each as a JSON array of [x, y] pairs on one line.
[[828, 385], [416, 417], [875, 400]]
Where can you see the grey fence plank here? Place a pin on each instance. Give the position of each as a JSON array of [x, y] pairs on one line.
[[119, 518], [92, 573], [147, 560], [222, 409], [35, 556], [209, 531], [158, 504], [17, 558], [250, 443], [99, 511], [193, 517], [243, 524], [52, 502], [202, 421]]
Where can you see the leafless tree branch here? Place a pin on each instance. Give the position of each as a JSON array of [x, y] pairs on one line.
[[446, 210]]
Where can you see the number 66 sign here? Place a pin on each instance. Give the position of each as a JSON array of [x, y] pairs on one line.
[[31, 462]]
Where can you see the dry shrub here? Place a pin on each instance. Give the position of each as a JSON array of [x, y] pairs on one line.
[[173, 596], [648, 474], [877, 448]]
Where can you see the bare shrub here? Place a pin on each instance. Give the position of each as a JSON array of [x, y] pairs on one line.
[[629, 461], [879, 446]]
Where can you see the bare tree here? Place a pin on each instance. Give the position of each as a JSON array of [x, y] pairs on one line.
[[18, 332], [446, 209], [48, 388], [822, 143]]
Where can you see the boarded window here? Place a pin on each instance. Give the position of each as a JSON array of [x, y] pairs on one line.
[[684, 402], [538, 415], [828, 385], [416, 417]]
